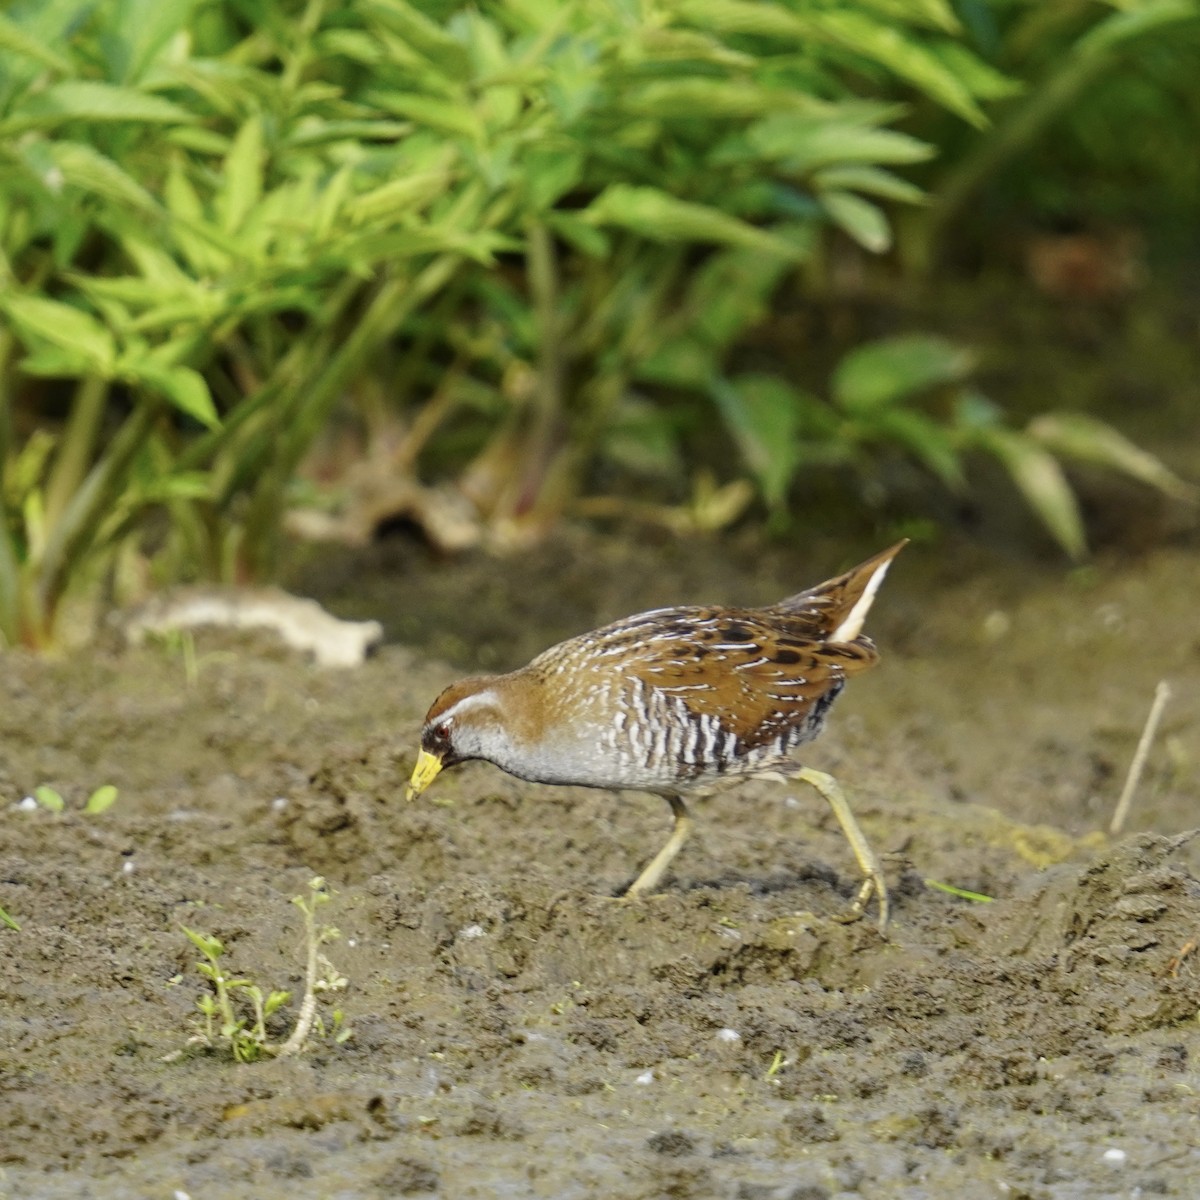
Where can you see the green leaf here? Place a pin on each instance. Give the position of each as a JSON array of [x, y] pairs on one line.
[[84, 167], [421, 33], [88, 100], [659, 216], [686, 361], [755, 17], [902, 54], [15, 39], [805, 144], [982, 79], [198, 139], [101, 800], [139, 30], [242, 176], [54, 362], [211, 947], [936, 14], [182, 386], [730, 292], [1132, 22], [928, 441], [1086, 439], [704, 98], [64, 326], [551, 172], [408, 194], [763, 414], [587, 239], [872, 180], [884, 372], [183, 485], [191, 231], [436, 114], [865, 222], [49, 799], [1041, 481]]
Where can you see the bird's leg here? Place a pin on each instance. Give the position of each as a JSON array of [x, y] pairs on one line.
[[872, 873], [649, 878]]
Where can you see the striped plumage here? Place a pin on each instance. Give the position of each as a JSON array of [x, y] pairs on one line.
[[671, 702]]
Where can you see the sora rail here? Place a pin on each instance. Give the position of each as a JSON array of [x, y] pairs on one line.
[[674, 702]]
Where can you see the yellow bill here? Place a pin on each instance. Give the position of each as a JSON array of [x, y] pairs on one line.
[[424, 773]]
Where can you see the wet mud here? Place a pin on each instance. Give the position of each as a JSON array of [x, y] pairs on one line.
[[516, 1030]]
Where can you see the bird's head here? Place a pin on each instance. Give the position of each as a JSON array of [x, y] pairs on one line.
[[464, 722]]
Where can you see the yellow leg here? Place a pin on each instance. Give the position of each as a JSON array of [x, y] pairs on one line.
[[872, 873], [649, 878]]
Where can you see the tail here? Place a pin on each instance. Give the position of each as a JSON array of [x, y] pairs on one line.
[[839, 606]]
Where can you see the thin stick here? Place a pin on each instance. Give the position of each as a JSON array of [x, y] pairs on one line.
[[1162, 694]]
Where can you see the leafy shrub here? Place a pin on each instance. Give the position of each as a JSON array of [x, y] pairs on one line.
[[221, 221]]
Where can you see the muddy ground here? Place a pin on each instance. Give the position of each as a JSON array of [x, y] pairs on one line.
[[516, 1032]]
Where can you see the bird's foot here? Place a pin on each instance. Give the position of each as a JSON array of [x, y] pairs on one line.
[[872, 885]]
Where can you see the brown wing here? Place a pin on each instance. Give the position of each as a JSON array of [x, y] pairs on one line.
[[758, 673], [764, 675]]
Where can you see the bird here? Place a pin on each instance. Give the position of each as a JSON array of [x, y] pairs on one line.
[[675, 702]]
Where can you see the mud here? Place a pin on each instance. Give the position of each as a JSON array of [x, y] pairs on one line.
[[516, 1031]]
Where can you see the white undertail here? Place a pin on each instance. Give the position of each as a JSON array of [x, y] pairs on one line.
[[851, 627]]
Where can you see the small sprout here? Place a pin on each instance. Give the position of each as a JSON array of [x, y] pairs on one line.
[[101, 800], [49, 799], [7, 920], [777, 1065]]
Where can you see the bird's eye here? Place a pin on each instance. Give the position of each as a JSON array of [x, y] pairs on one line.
[[442, 731]]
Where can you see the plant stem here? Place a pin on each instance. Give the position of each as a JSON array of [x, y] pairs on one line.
[[308, 1003], [73, 535], [77, 446], [547, 410], [10, 570]]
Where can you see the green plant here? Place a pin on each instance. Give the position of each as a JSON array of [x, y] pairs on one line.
[[913, 394], [225, 1021], [1098, 75], [219, 222], [212, 270], [524, 239], [101, 800]]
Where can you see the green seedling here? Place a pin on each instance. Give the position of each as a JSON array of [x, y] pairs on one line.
[[777, 1064], [226, 1022], [101, 800], [7, 920], [49, 799]]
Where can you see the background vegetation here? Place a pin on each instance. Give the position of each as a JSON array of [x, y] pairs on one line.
[[522, 246]]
